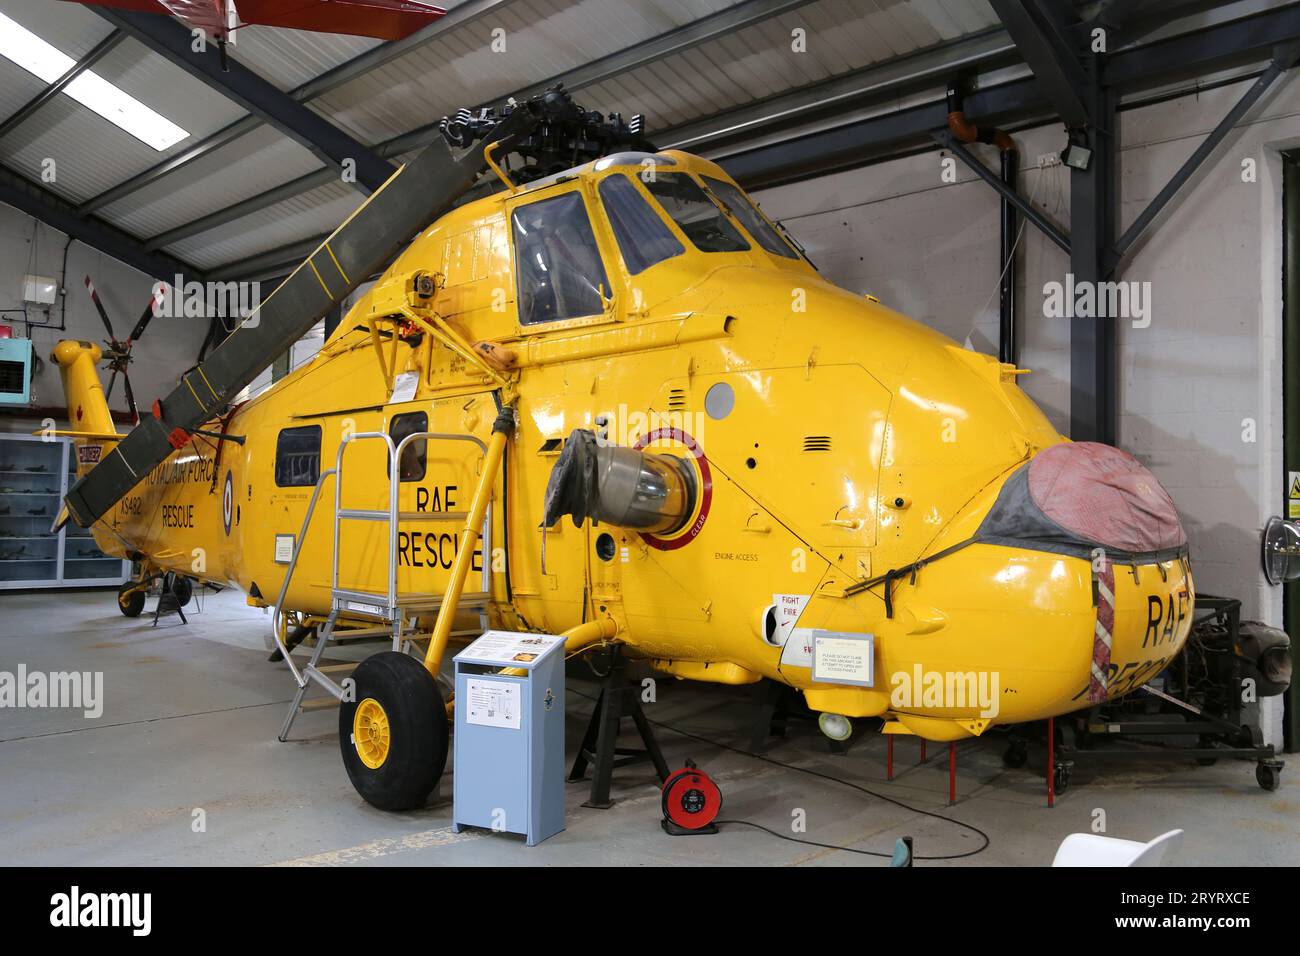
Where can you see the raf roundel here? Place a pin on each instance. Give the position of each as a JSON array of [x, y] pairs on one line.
[[227, 502]]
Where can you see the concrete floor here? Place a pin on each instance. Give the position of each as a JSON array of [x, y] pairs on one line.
[[190, 721]]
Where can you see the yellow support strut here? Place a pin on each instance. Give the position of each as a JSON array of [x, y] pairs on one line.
[[577, 638], [496, 449]]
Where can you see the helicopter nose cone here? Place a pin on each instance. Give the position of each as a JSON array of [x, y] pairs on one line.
[[1076, 497]]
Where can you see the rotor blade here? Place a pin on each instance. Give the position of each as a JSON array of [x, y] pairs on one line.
[[145, 317], [130, 397], [416, 195], [112, 380], [99, 307]]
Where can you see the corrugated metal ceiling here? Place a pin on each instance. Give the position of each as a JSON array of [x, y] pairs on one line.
[[94, 154], [543, 38]]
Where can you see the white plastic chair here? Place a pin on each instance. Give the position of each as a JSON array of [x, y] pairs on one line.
[[1089, 849]]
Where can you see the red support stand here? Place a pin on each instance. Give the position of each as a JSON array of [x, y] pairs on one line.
[[952, 773], [923, 742], [1051, 762], [889, 756]]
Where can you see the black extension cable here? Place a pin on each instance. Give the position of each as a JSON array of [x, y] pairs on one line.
[[825, 776]]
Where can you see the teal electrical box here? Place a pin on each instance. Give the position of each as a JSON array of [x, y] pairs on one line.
[[15, 371]]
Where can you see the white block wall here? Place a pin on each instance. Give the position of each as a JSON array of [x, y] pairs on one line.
[[168, 348]]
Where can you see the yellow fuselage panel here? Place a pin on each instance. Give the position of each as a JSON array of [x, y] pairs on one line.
[[857, 440]]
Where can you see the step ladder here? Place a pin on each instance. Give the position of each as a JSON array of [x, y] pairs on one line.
[[391, 614]]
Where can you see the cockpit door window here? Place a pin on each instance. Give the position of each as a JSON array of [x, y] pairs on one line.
[[558, 264], [739, 205], [695, 213], [642, 236]]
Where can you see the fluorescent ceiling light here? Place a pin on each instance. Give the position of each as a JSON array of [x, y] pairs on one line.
[[34, 55]]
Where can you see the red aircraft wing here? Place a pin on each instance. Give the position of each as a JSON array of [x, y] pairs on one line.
[[381, 19]]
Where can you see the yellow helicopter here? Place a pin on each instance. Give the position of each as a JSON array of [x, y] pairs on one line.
[[765, 475]]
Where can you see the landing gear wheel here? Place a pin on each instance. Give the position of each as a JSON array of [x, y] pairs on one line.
[[1268, 776], [183, 590], [1061, 778], [130, 598], [1016, 755], [393, 736]]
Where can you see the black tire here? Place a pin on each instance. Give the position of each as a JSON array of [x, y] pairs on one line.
[[183, 590], [1061, 779], [1015, 756], [417, 740], [1268, 777], [130, 599]]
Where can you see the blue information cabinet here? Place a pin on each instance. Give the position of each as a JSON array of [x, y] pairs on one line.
[[509, 744]]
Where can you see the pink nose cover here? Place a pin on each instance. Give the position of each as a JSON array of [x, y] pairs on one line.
[[1106, 496], [1074, 498]]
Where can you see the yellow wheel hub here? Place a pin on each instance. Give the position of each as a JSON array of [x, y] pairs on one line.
[[370, 733]]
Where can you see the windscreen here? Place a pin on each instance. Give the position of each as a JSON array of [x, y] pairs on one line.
[[739, 205], [695, 213]]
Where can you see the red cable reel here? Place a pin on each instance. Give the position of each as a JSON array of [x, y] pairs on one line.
[[690, 801]]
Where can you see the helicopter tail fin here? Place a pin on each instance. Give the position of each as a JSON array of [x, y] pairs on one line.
[[88, 413]]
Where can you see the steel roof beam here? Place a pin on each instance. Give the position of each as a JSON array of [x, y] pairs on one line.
[[40, 203], [241, 85], [1283, 60], [678, 40], [1246, 40], [186, 156], [1044, 44], [674, 41], [330, 80], [28, 109], [878, 83], [879, 137], [945, 139]]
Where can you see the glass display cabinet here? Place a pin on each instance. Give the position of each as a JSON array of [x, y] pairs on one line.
[[35, 474]]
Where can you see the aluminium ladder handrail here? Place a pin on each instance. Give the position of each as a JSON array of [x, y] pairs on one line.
[[293, 564], [394, 516]]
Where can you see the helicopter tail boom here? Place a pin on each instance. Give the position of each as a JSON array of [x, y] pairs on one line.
[[87, 405]]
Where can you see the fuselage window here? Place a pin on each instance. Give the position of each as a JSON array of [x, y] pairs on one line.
[[697, 215], [297, 457], [642, 236], [413, 462], [560, 272], [739, 205]]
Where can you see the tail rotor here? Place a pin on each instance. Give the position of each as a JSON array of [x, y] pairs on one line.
[[118, 353]]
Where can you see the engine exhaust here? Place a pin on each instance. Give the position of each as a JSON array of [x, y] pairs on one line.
[[624, 487]]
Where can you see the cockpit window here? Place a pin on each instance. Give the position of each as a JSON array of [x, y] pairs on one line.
[[697, 215], [642, 236], [560, 272], [739, 205]]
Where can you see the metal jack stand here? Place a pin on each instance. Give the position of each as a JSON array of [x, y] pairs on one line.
[[168, 602], [618, 699]]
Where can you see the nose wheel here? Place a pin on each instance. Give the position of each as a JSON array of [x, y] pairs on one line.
[[393, 733]]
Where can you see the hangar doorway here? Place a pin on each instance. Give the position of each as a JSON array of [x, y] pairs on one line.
[[1291, 414]]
